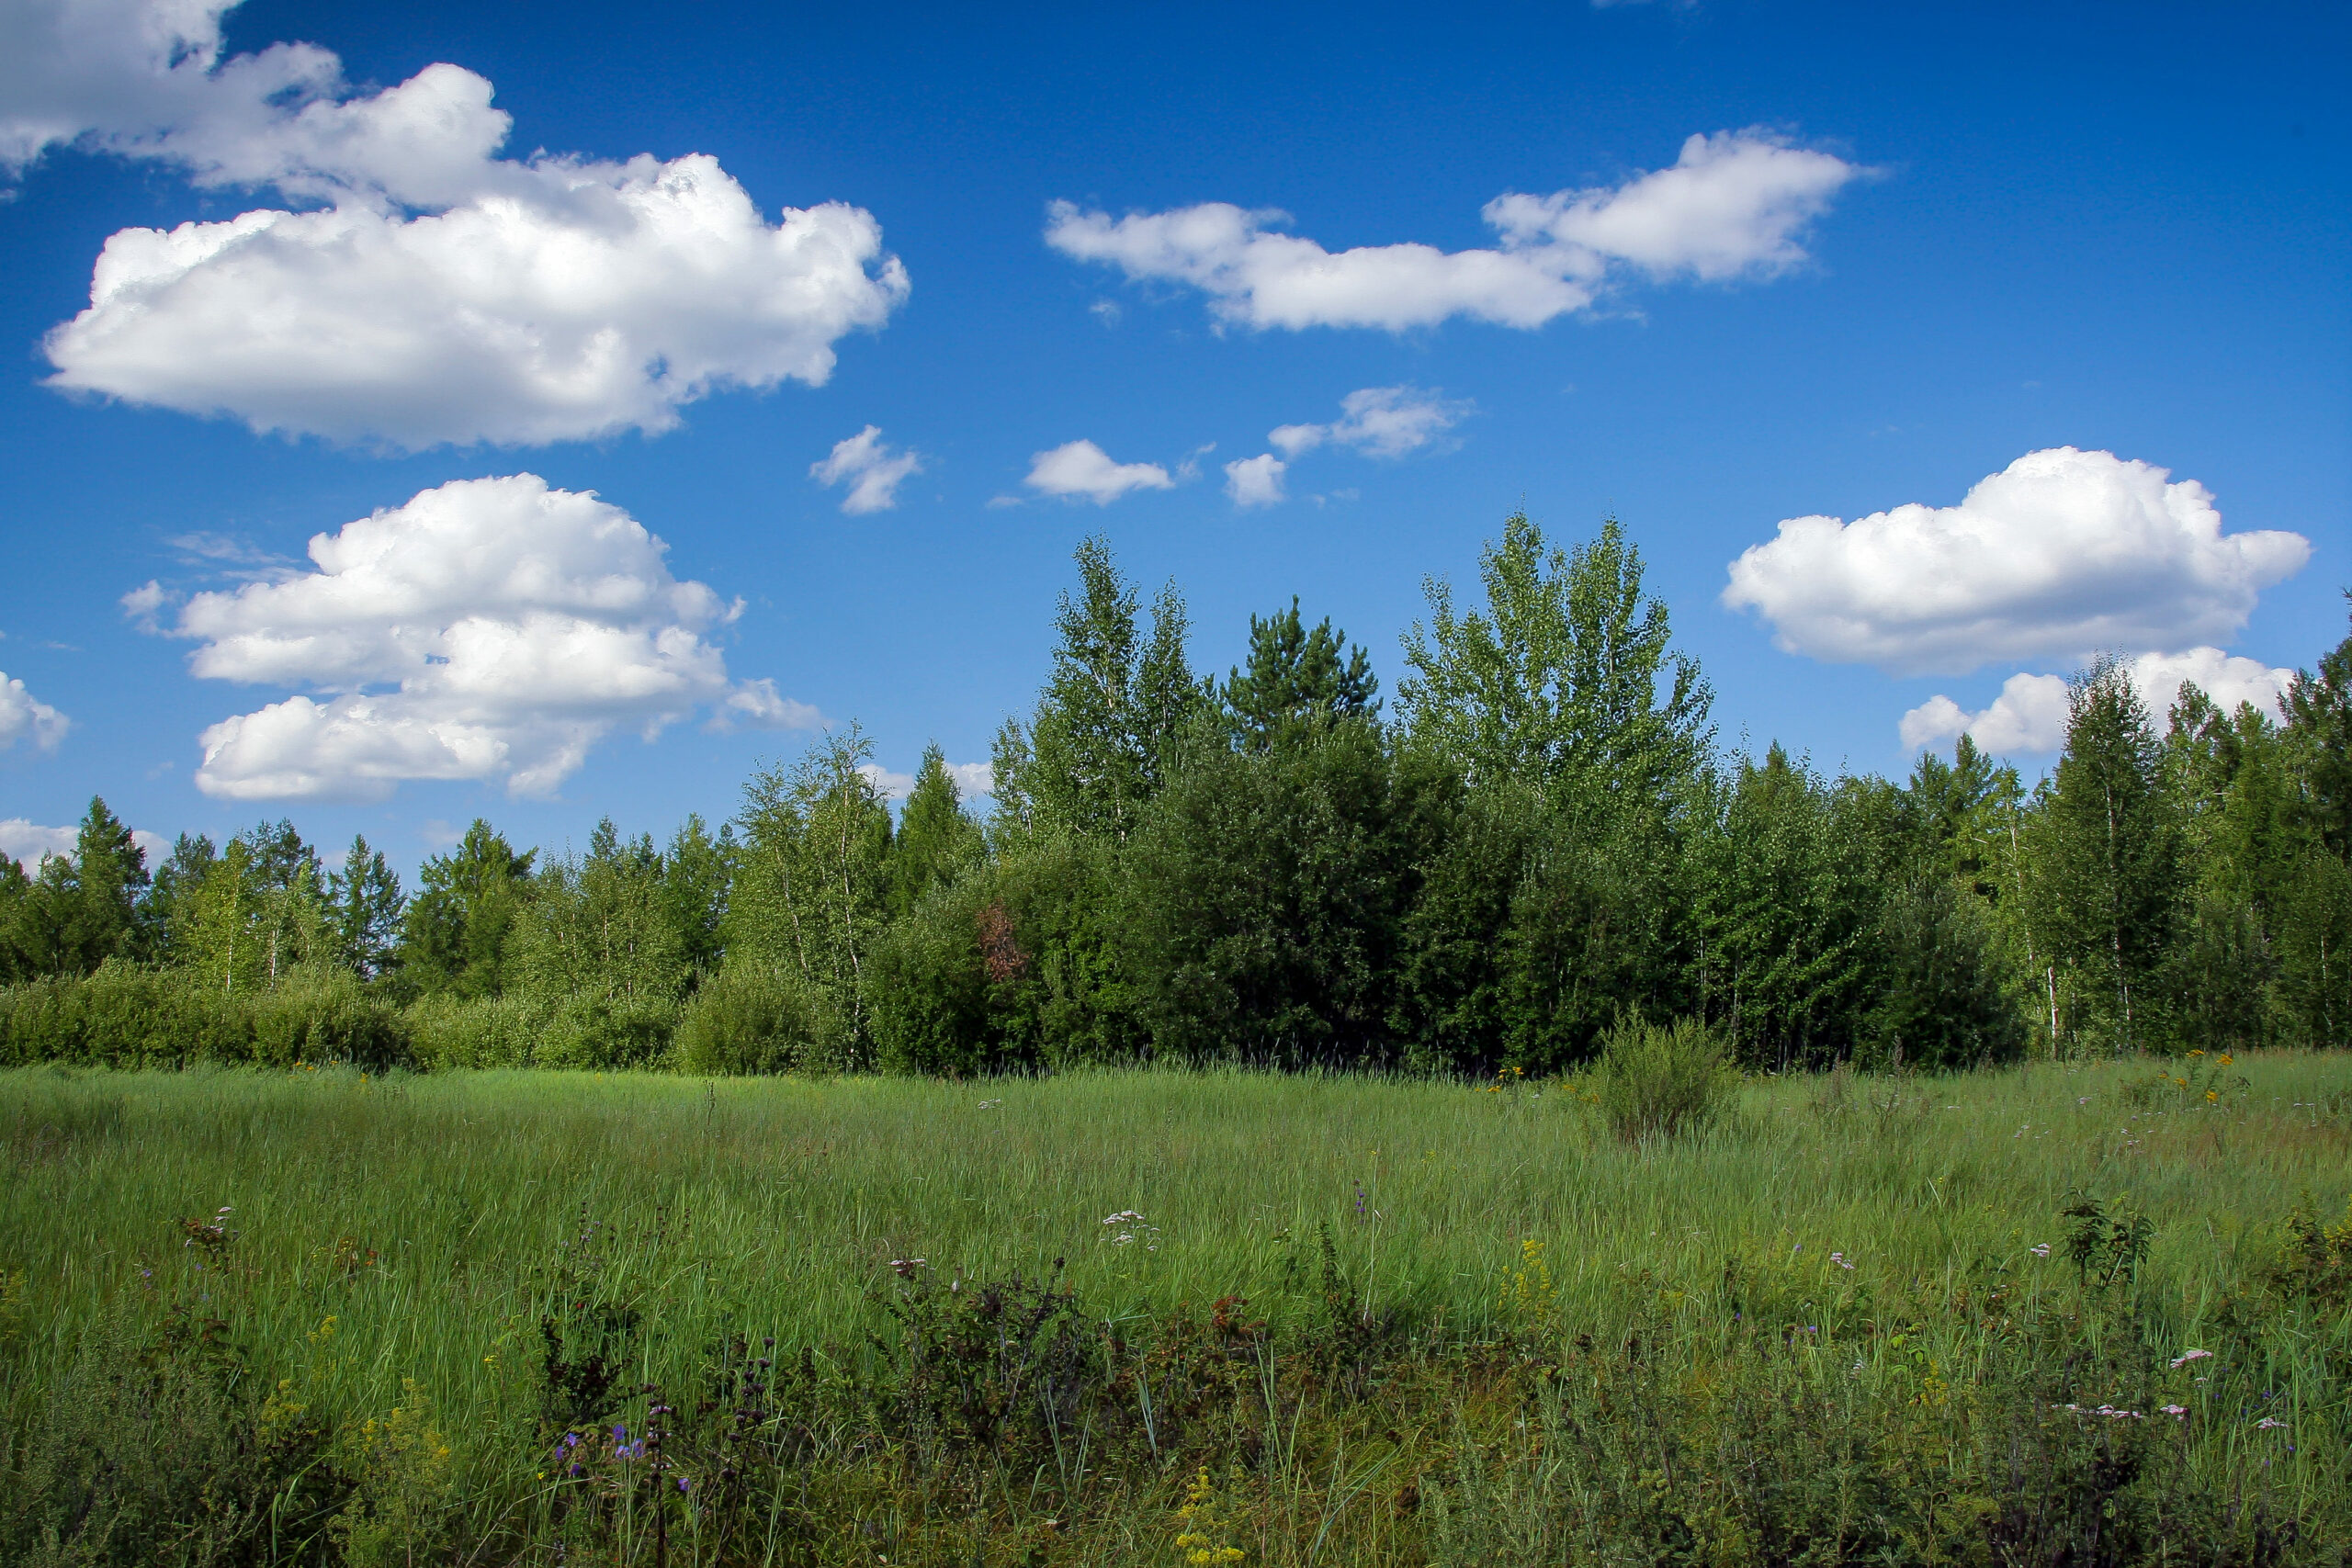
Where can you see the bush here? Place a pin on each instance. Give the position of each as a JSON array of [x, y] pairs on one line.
[[607, 1033], [748, 1018], [1662, 1080], [128, 1016], [1944, 1004], [448, 1031], [1014, 965]]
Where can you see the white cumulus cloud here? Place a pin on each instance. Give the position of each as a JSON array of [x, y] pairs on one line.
[[26, 842], [971, 779], [1081, 469], [24, 716], [872, 470], [440, 294], [1382, 421], [491, 629], [1255, 481], [1734, 204], [2061, 553], [2030, 713]]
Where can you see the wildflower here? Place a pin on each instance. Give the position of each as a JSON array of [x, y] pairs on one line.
[[2042, 1250], [1840, 1259], [1124, 1217], [905, 1266], [2268, 1424], [2188, 1356], [2175, 1409]]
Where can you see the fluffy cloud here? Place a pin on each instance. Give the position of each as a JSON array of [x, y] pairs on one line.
[[441, 294], [1734, 204], [2060, 553], [2030, 713], [27, 842], [24, 715], [971, 779], [1382, 421], [1081, 469], [871, 469], [1255, 481], [490, 629]]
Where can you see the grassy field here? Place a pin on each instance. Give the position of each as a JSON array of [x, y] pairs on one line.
[[1487, 1325]]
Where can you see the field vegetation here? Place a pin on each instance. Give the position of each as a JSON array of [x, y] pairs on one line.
[[2060, 1313]]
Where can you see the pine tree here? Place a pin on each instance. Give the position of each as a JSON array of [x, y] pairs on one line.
[[82, 910], [1559, 679], [455, 934], [2112, 877], [1295, 675], [1110, 721], [935, 838], [2319, 728], [365, 906]]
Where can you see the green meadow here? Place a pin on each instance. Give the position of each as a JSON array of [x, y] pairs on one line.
[[1075, 1318]]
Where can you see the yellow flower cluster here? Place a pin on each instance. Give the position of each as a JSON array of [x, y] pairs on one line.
[[1201, 1540]]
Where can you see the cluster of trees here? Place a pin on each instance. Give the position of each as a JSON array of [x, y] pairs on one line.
[[1540, 839]]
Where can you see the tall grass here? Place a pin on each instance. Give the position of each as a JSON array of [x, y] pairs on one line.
[[438, 1220]]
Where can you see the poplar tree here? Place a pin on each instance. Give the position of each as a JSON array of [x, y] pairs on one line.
[[1566, 677], [2112, 876]]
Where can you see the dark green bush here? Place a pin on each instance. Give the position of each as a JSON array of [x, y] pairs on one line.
[[751, 1019], [1944, 1003], [128, 1016]]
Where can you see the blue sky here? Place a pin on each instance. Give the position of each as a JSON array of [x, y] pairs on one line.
[[1921, 246]]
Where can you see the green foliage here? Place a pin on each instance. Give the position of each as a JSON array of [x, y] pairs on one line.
[[1295, 675], [1666, 1080], [129, 1016], [751, 1019], [456, 933], [601, 928], [1265, 892], [364, 910], [1786, 898], [77, 912], [2110, 874], [1945, 997], [936, 839], [1017, 964], [1104, 736], [811, 889], [1558, 680], [450, 1031]]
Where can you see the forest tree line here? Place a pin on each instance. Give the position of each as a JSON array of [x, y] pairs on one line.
[[1535, 836]]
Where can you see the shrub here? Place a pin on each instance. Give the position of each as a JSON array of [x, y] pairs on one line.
[[749, 1017], [607, 1033], [128, 1016], [1944, 1004], [1662, 1080], [448, 1031]]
